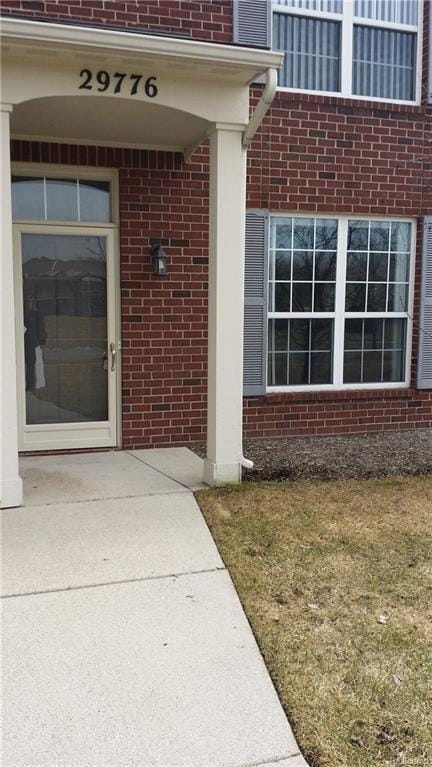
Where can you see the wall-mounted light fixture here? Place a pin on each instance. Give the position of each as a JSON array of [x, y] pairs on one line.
[[159, 259]]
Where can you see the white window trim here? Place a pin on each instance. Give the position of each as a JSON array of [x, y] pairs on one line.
[[339, 315], [348, 20]]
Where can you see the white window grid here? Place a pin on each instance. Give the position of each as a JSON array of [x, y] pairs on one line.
[[348, 20], [77, 202], [381, 350], [45, 172], [387, 283], [309, 351], [339, 315], [291, 250]]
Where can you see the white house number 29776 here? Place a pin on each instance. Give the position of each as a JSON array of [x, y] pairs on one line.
[[118, 83]]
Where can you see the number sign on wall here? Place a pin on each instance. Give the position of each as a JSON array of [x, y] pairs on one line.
[[119, 82]]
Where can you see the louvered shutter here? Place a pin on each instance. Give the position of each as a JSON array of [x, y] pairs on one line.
[[255, 312], [424, 372], [252, 23]]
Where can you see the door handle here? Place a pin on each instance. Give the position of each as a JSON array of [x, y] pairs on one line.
[[113, 355]]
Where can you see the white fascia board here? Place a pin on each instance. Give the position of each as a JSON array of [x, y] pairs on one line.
[[118, 42]]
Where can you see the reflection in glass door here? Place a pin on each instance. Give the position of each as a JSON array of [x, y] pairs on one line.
[[68, 339]]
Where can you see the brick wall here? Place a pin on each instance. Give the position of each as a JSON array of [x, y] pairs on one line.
[[345, 412], [317, 154], [211, 20], [312, 154]]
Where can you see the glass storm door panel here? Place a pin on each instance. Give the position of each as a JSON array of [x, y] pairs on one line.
[[68, 347]]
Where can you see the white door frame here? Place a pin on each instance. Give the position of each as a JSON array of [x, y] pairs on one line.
[[93, 434]]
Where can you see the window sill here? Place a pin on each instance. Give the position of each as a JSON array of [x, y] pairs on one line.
[[286, 95], [373, 101], [401, 392]]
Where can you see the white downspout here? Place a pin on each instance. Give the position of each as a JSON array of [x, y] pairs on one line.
[[255, 121], [246, 462], [261, 108]]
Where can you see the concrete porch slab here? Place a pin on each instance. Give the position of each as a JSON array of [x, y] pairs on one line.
[[124, 642], [179, 463], [161, 672], [62, 546], [89, 476]]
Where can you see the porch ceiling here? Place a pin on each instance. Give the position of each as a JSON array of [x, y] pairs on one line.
[[107, 121]]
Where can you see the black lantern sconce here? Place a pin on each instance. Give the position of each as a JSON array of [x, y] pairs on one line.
[[159, 259]]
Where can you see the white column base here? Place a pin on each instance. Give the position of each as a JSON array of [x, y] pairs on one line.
[[221, 473], [11, 493]]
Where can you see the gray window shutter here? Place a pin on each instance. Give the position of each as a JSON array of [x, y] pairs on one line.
[[255, 312], [424, 372], [252, 23]]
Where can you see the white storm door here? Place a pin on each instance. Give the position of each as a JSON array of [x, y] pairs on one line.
[[66, 337]]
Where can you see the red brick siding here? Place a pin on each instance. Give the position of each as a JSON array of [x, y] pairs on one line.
[[317, 154], [312, 154], [345, 412], [209, 20], [427, 154]]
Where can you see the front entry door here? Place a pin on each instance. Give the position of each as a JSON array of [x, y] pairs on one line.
[[66, 337]]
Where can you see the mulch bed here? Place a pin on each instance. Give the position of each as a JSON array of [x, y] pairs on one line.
[[385, 454]]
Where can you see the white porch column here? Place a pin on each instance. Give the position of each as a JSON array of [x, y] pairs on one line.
[[10, 481], [226, 279]]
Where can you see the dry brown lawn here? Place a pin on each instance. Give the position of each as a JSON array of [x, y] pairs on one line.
[[336, 580]]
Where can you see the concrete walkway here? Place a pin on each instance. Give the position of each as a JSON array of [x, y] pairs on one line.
[[124, 640]]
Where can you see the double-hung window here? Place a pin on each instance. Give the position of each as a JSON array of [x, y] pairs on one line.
[[355, 48], [339, 302]]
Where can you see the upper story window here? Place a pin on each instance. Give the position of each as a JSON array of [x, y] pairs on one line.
[[366, 48], [41, 198]]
